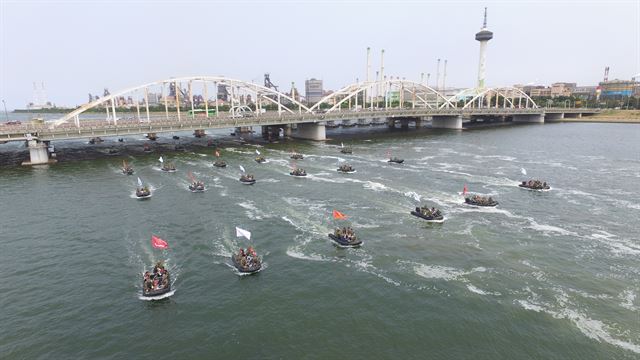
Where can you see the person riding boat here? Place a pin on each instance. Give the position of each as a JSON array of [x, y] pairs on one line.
[[197, 185], [220, 163], [143, 191], [297, 156], [168, 166], [127, 169], [298, 172], [157, 282], [535, 185], [480, 201], [346, 168], [247, 261], [247, 179]]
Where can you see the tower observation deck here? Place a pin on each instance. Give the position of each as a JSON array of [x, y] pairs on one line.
[[484, 35]]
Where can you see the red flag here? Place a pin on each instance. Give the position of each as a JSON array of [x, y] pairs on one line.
[[464, 190], [217, 153], [158, 243], [338, 215]]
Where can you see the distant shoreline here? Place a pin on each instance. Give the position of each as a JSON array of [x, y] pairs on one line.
[[610, 116]]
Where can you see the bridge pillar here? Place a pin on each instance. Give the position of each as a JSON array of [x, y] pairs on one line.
[[404, 124], [529, 118], [553, 117], [391, 123], [310, 131], [573, 115], [418, 123], [38, 154], [447, 122]]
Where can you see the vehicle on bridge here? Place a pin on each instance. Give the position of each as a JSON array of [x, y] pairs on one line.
[[202, 112]]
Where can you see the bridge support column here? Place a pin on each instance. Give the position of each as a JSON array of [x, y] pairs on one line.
[[310, 131], [447, 122], [404, 124], [553, 117], [391, 123], [418, 123], [529, 118], [38, 154], [573, 115]]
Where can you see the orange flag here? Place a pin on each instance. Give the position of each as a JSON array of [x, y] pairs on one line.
[[464, 190], [338, 215], [217, 153]]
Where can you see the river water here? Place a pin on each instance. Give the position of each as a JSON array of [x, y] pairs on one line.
[[553, 275]]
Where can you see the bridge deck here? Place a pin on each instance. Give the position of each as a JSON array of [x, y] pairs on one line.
[[162, 123]]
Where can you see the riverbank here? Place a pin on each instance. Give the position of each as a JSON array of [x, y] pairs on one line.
[[610, 116]]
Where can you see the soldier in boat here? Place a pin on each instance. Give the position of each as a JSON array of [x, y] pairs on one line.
[[156, 283], [127, 169], [196, 186], [346, 150], [143, 191], [535, 185], [168, 166], [480, 200], [247, 179], [345, 237], [346, 168], [247, 261], [298, 172]]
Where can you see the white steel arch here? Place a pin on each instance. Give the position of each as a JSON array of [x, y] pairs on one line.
[[382, 94], [503, 97], [237, 97]]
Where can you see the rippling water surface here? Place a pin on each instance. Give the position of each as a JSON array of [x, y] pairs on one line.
[[552, 275]]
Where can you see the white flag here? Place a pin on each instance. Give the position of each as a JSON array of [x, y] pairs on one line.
[[257, 152], [341, 145], [241, 232], [523, 171], [241, 168], [139, 182], [161, 160]]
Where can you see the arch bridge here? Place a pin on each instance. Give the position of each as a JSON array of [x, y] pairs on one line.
[[165, 106]]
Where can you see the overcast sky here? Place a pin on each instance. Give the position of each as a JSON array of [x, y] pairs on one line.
[[80, 47]]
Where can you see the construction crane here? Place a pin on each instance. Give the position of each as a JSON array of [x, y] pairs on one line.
[[606, 74], [268, 83]]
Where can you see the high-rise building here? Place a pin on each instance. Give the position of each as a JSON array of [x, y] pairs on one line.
[[618, 88], [313, 90], [562, 89]]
